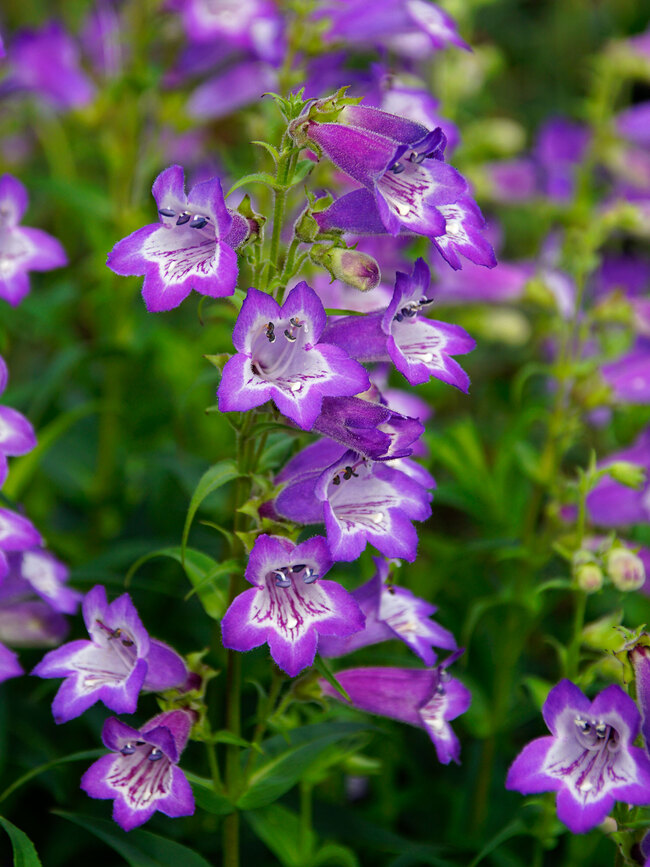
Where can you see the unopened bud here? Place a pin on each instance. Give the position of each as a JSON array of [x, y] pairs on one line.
[[306, 228], [589, 577], [352, 267], [625, 569], [628, 474]]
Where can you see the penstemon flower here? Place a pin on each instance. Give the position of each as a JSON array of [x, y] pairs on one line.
[[589, 759], [9, 665], [418, 347], [290, 604], [279, 358], [16, 534], [118, 661], [22, 249], [192, 247], [612, 504], [142, 774], [392, 612], [37, 571], [16, 433]]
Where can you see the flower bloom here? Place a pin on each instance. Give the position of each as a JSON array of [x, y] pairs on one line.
[[22, 249], [418, 347], [629, 375], [16, 534], [16, 433], [612, 504], [358, 500], [142, 774], [36, 571], [279, 358], [428, 699], [118, 661], [589, 759], [392, 612], [290, 604], [191, 247]]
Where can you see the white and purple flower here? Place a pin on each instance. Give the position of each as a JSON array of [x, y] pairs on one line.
[[418, 347], [290, 604], [17, 533], [17, 435], [192, 247], [391, 612], [279, 358], [142, 774], [22, 249], [589, 759], [117, 663]]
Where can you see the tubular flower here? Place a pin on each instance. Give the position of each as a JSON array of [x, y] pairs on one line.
[[22, 249], [279, 358], [118, 661], [142, 774], [589, 759], [290, 604], [16, 534], [418, 347], [392, 612], [16, 433], [191, 247]]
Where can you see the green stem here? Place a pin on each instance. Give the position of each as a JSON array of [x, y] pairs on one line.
[[305, 819], [214, 767], [573, 651], [264, 716]]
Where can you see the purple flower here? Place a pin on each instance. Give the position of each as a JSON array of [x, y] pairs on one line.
[[279, 358], [46, 62], [232, 88], [22, 249], [392, 612], [16, 534], [142, 774], [103, 38], [190, 248], [29, 622], [589, 760], [358, 500], [416, 103], [291, 604], [634, 124], [639, 657], [561, 145], [629, 376], [9, 665], [16, 433], [419, 347], [612, 504], [512, 180], [426, 699], [118, 661], [37, 571]]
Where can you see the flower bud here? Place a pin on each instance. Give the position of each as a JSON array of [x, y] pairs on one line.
[[589, 577], [352, 267], [628, 474], [625, 569]]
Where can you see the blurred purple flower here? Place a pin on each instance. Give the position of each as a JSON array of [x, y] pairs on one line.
[[629, 375], [16, 534], [17, 435], [612, 504], [634, 124], [561, 146], [232, 88]]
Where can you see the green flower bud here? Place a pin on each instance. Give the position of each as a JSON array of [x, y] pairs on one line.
[[589, 577], [625, 569], [628, 474], [349, 266]]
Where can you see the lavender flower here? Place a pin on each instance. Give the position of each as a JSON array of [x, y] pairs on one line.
[[39, 572], [231, 88], [279, 358], [22, 249], [190, 248], [426, 699], [16, 433], [561, 145], [612, 504], [291, 604], [589, 760], [9, 665], [629, 375], [118, 661], [16, 534], [142, 774], [419, 347], [392, 612]]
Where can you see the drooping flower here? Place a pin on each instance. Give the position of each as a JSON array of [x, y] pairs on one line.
[[141, 775], [358, 500], [17, 436], [16, 534], [191, 247], [406, 183], [419, 347], [290, 604], [46, 62], [22, 249], [392, 612], [428, 699], [589, 759], [279, 358], [119, 660]]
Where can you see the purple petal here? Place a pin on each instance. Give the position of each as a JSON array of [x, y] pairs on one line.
[[17, 435], [47, 253], [13, 199], [526, 774], [166, 668], [17, 533]]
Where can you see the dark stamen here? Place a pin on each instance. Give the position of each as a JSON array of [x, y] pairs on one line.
[[184, 218], [336, 480], [166, 212], [349, 472], [155, 754], [198, 222], [397, 168], [270, 332], [295, 322], [289, 335], [298, 568], [310, 575]]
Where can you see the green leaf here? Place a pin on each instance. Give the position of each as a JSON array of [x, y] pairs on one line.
[[332, 853], [34, 772], [25, 854], [207, 798], [255, 178], [138, 848], [268, 147], [326, 671], [211, 480], [284, 764], [513, 829], [279, 829], [303, 168]]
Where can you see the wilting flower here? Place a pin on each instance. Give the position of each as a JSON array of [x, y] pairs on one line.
[[22, 249], [419, 347], [16, 433], [46, 62], [428, 699], [589, 760], [290, 604], [279, 358], [406, 185], [16, 534], [142, 774], [392, 612], [358, 500], [612, 504], [192, 247], [118, 661]]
